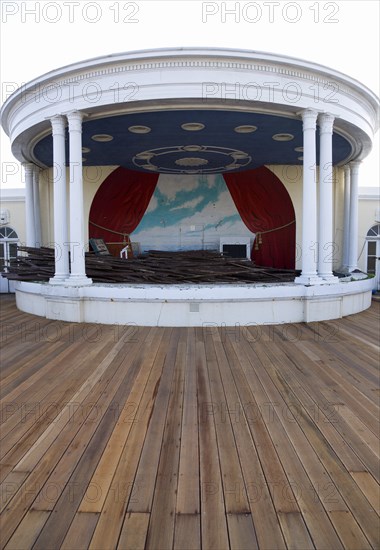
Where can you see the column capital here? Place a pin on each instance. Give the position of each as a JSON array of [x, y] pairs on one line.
[[74, 114], [354, 165], [28, 167], [75, 121], [58, 124], [326, 123], [347, 169], [309, 118]]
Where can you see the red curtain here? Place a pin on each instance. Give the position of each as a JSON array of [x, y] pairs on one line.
[[264, 204], [119, 205]]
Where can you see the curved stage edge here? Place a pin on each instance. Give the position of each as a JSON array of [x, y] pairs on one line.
[[194, 305]]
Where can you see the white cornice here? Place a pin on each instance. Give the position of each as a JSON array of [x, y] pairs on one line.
[[188, 58], [158, 58], [176, 75], [369, 193], [12, 195]]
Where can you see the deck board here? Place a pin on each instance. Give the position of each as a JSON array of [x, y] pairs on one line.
[[189, 438]]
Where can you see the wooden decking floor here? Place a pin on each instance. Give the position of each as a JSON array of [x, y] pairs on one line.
[[160, 438]]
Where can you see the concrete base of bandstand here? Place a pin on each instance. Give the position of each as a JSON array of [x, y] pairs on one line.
[[194, 305]]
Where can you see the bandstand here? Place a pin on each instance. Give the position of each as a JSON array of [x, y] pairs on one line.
[[189, 148]]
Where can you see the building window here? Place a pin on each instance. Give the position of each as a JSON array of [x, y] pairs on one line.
[[8, 246], [373, 253]]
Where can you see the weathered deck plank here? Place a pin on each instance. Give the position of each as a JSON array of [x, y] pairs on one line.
[[189, 438]]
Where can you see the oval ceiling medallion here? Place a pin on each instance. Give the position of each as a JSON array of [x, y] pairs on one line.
[[138, 129], [191, 161], [239, 155], [245, 129], [192, 148], [192, 126], [283, 137], [144, 156], [102, 138]]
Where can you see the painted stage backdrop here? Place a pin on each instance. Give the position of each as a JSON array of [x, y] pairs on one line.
[[182, 212], [189, 212]]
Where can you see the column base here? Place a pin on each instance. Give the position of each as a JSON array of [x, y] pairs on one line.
[[78, 281], [308, 280], [358, 275], [58, 280], [328, 279]]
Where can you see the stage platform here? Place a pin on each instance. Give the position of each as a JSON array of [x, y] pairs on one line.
[[191, 305]]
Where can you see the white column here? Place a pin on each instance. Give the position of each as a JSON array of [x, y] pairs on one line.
[[309, 202], [346, 217], [37, 207], [354, 206], [60, 202], [77, 247], [29, 205], [326, 245]]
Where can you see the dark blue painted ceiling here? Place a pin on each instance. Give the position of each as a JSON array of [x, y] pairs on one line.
[[168, 148]]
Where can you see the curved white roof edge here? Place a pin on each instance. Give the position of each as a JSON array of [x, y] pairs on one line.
[[356, 109], [251, 55]]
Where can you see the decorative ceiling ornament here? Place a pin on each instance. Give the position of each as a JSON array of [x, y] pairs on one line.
[[173, 160], [191, 161]]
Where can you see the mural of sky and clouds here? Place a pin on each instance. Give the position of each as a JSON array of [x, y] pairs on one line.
[[189, 212]]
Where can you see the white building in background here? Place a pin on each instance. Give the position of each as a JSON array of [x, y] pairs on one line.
[[12, 230], [198, 126], [369, 233]]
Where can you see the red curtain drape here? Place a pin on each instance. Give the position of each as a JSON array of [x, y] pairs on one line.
[[264, 204], [119, 205]]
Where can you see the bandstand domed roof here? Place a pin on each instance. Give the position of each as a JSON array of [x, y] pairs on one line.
[[191, 110]]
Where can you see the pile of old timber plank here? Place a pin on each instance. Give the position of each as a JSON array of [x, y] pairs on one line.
[[155, 267]]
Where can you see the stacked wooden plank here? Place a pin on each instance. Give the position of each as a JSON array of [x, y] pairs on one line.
[[155, 267]]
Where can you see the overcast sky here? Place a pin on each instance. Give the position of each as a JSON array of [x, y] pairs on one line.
[[38, 36]]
